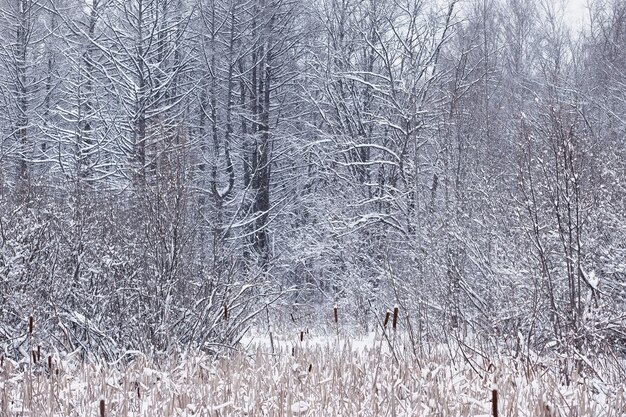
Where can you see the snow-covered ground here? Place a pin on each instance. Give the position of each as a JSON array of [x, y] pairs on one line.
[[324, 376]]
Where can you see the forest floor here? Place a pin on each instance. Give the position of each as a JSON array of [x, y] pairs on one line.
[[328, 376]]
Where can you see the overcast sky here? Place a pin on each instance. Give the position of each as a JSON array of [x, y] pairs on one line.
[[577, 12]]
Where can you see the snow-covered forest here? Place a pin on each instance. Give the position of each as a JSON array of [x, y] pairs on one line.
[[176, 172]]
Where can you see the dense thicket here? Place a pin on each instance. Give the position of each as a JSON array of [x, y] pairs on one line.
[[172, 170]]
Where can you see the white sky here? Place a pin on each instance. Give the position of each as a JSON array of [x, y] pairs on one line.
[[577, 12]]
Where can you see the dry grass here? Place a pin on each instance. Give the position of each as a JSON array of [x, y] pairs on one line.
[[324, 378]]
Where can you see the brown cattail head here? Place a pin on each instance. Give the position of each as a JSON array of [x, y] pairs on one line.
[[38, 353], [494, 403], [225, 312], [387, 314], [395, 317], [336, 314], [301, 336], [101, 408], [310, 367], [50, 363], [34, 355], [31, 325]]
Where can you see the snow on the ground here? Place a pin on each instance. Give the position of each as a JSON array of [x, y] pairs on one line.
[[316, 376]]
